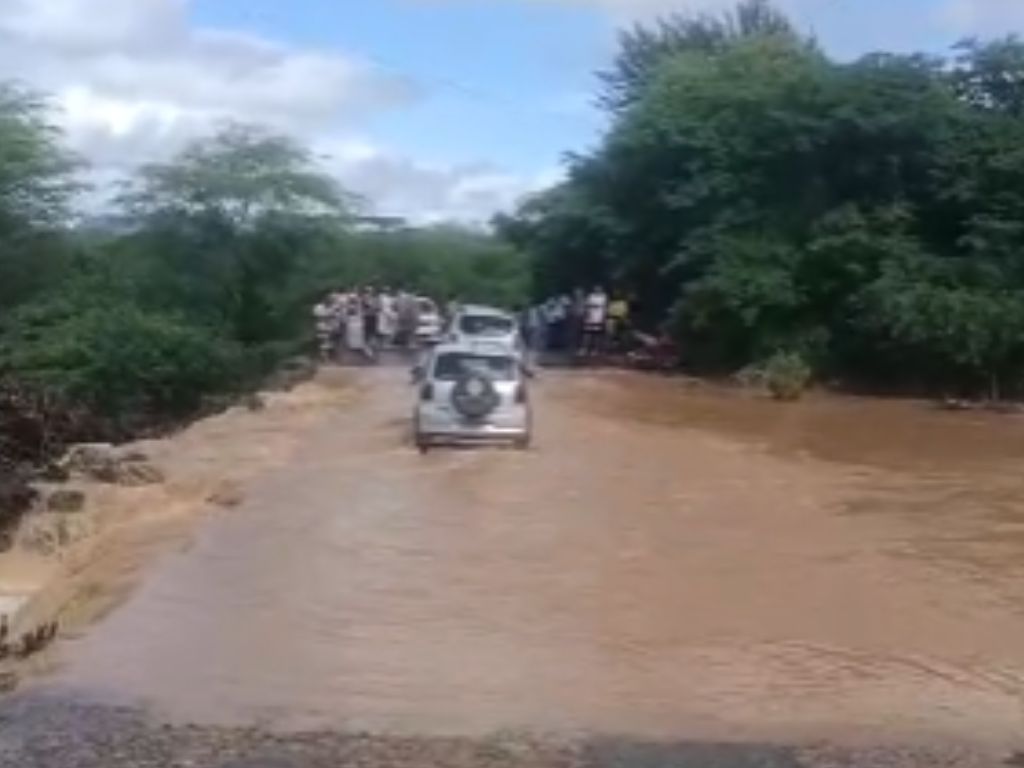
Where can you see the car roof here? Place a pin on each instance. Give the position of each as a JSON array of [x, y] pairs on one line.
[[489, 349], [481, 310]]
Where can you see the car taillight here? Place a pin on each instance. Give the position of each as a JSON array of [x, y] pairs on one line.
[[520, 394], [427, 392]]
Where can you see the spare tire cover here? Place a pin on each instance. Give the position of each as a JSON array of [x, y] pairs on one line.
[[475, 396]]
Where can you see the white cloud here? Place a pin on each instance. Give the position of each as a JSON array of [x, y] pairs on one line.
[[124, 69], [134, 81], [77, 26], [425, 193]]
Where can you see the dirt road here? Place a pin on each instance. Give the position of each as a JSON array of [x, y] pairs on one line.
[[666, 564]]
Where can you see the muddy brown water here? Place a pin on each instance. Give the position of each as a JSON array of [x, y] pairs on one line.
[[667, 562]]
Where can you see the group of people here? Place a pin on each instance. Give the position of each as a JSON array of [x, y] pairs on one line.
[[578, 323], [365, 320]]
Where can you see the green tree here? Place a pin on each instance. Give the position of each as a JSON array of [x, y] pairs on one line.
[[36, 182], [224, 226], [644, 48], [239, 175], [990, 75], [863, 216]]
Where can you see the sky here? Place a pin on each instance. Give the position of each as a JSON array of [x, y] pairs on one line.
[[435, 110]]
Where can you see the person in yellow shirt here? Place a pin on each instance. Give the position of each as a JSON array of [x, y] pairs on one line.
[[618, 320]]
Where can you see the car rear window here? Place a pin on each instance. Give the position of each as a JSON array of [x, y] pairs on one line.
[[486, 325], [452, 365]]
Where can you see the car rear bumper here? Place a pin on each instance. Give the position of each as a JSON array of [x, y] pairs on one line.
[[508, 424]]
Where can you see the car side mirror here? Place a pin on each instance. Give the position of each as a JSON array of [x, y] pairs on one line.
[[529, 371], [418, 374]]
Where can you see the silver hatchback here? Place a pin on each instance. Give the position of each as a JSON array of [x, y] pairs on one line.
[[478, 325], [472, 393]]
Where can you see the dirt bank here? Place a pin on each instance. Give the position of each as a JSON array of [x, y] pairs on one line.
[[75, 566]]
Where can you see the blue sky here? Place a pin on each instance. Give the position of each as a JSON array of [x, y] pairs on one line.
[[431, 109], [501, 81], [509, 82]]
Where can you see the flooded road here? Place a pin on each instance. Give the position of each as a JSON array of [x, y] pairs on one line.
[[668, 562]]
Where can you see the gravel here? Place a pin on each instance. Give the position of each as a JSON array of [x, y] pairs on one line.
[[42, 730]]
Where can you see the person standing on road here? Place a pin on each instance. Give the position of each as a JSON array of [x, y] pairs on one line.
[[595, 322], [387, 320], [576, 310], [558, 323], [371, 317], [338, 304], [538, 325], [618, 321], [355, 328], [408, 318], [451, 309], [323, 317]]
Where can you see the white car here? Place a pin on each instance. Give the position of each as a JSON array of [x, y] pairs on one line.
[[485, 327], [472, 394], [428, 322]]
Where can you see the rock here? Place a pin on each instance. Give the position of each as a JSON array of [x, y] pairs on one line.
[[136, 474], [70, 530], [65, 501], [53, 473], [133, 455], [96, 461], [104, 464], [39, 539]]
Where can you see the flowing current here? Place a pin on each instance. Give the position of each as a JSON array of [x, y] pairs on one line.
[[668, 561]]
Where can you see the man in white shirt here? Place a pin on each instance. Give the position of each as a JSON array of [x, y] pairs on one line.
[[326, 327], [595, 321]]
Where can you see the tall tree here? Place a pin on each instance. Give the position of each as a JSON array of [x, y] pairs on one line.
[[990, 75], [222, 226], [644, 48], [36, 178], [240, 174]]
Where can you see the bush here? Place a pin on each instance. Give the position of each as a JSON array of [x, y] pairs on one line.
[[787, 375], [126, 362]]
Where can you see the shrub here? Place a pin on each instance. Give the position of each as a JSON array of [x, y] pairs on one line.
[[126, 362], [787, 375]]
